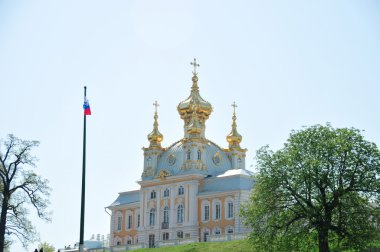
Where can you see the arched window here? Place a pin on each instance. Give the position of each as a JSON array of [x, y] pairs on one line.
[[188, 155], [149, 161], [205, 210], [166, 215], [239, 163], [180, 214], [216, 203], [152, 216], [230, 210], [181, 190], [166, 193], [153, 194], [129, 220], [119, 220], [199, 155], [217, 211]]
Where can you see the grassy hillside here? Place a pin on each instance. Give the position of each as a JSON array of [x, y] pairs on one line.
[[232, 246]]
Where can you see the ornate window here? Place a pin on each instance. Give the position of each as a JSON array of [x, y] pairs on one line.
[[239, 163], [152, 216], [199, 155], [216, 209], [149, 161], [181, 190], [166, 215], [188, 154], [129, 221], [119, 220], [229, 208], [153, 194], [206, 215], [180, 214], [166, 193]]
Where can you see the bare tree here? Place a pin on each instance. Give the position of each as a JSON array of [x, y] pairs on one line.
[[20, 189]]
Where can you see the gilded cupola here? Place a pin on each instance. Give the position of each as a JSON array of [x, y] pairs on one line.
[[234, 138], [155, 137], [194, 110]]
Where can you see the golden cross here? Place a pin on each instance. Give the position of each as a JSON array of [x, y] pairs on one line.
[[234, 105], [156, 105], [195, 66]]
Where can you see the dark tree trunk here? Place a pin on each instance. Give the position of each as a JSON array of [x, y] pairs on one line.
[[323, 239], [3, 221]]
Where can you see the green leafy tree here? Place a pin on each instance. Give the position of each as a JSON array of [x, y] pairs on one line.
[[320, 191], [46, 247], [20, 188]]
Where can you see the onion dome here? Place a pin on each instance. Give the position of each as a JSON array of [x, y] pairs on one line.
[[234, 138], [155, 137], [194, 108]]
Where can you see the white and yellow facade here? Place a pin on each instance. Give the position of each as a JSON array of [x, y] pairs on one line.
[[190, 190]]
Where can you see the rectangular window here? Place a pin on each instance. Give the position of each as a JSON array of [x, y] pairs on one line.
[[119, 223], [129, 221], [138, 220], [217, 211], [165, 236], [207, 213], [230, 210]]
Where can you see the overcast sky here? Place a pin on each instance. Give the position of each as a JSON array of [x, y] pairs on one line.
[[286, 64]]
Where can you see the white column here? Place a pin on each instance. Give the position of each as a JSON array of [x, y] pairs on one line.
[[158, 210], [193, 206], [172, 210]]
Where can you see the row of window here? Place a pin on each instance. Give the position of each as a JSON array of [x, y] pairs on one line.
[[180, 215], [153, 194], [229, 210], [119, 219], [199, 155], [179, 235]]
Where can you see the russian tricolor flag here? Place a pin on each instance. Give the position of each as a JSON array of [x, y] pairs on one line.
[[86, 107]]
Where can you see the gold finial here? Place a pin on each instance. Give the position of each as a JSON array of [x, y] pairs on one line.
[[234, 138], [195, 66], [155, 137]]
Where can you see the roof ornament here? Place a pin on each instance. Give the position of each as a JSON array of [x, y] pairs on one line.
[[155, 137], [195, 66], [234, 138]]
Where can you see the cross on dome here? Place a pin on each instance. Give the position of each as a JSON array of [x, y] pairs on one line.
[[195, 66], [234, 105], [155, 104]]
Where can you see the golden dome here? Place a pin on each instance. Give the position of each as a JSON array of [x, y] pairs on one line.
[[194, 101], [234, 138], [155, 137], [194, 110]]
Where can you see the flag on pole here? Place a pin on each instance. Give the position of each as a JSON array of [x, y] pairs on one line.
[[86, 107]]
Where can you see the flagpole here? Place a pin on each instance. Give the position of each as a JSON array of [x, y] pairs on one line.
[[81, 248]]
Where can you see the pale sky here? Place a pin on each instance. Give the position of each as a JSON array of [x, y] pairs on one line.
[[286, 64]]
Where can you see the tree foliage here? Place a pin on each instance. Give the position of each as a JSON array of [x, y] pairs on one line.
[[21, 189], [46, 247], [320, 191]]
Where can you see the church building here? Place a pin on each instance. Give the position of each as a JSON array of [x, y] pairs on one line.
[[189, 191]]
